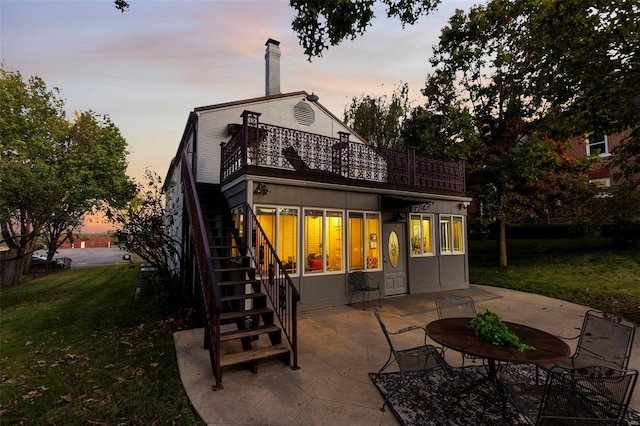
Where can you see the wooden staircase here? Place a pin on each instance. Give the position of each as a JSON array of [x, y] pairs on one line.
[[249, 330]]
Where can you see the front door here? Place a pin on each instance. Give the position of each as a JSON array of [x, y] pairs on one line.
[[394, 259]]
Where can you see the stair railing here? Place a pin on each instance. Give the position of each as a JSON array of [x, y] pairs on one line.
[[282, 293], [206, 270]]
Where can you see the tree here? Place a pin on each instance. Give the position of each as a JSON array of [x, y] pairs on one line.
[[52, 171], [320, 24], [121, 5], [146, 229], [595, 82], [518, 160], [32, 121], [436, 135], [378, 121], [530, 74]]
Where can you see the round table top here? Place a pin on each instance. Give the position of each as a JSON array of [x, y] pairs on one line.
[[453, 333]]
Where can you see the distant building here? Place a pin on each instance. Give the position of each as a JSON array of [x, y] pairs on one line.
[[602, 145], [87, 242]]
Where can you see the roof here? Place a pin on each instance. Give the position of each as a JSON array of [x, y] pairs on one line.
[[194, 114]]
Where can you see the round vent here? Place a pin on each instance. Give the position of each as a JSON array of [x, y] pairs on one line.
[[303, 113]]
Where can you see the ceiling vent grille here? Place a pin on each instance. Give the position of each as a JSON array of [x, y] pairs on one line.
[[304, 114]]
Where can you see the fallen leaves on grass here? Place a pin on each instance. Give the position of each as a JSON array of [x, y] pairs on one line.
[[35, 393]]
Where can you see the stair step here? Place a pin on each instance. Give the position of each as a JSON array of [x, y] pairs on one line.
[[239, 258], [254, 354], [241, 297], [241, 314], [238, 282], [235, 269], [248, 332]]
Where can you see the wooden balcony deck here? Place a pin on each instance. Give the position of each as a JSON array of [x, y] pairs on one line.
[[272, 150]]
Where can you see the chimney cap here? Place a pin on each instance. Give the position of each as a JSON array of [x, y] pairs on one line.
[[272, 41]]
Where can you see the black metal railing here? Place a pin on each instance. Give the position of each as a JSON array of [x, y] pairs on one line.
[[282, 293], [208, 282], [266, 145]]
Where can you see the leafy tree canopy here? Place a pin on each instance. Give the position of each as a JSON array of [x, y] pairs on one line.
[[378, 120], [53, 171], [320, 24], [518, 159]]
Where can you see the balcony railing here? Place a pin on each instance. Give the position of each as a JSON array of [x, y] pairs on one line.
[[264, 145]]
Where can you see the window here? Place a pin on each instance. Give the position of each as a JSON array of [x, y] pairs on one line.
[[421, 234], [364, 240], [237, 216], [597, 144], [451, 234], [323, 241], [603, 182], [280, 225]]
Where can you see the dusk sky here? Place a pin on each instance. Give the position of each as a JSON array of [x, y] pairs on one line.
[[149, 67]]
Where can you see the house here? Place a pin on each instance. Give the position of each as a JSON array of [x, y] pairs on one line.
[[603, 146], [279, 201]]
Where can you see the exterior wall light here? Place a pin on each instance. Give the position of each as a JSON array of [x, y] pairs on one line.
[[261, 189]]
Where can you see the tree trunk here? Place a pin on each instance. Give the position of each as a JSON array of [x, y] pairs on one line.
[[502, 242]]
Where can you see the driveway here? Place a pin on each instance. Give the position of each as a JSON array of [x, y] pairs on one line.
[[89, 257]]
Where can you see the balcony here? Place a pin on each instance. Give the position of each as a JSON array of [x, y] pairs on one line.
[[272, 150]]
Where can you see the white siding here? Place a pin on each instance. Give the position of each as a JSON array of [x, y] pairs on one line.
[[212, 128], [174, 202]]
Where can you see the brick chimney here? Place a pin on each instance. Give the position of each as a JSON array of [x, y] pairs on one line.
[[272, 67]]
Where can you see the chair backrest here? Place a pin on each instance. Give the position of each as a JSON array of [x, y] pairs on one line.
[[607, 338], [384, 329], [455, 307], [596, 394], [358, 279]]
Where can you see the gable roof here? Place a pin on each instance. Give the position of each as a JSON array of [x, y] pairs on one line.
[[193, 118], [302, 93]]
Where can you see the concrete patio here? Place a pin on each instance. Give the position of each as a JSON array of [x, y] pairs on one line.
[[338, 347]]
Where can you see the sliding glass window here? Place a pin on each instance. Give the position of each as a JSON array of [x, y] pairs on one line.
[[451, 234], [323, 245], [280, 225], [364, 240], [421, 234]]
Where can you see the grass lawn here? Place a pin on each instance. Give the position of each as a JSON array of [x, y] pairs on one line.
[[77, 348], [586, 271]]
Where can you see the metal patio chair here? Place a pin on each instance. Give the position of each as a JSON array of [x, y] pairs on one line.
[[605, 339], [456, 307], [423, 358], [591, 395], [361, 282]]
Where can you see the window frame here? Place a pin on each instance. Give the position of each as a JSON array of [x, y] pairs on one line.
[[303, 246], [366, 240], [422, 217], [277, 231], [605, 141], [450, 234]]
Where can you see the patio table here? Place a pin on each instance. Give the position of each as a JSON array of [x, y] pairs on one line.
[[453, 333]]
